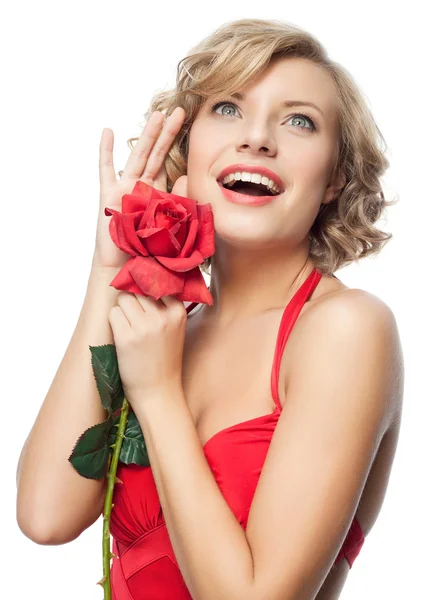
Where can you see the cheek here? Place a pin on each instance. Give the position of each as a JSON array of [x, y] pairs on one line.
[[198, 151], [310, 167], [206, 151], [199, 164]]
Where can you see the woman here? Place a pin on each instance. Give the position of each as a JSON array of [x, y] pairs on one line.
[[269, 460]]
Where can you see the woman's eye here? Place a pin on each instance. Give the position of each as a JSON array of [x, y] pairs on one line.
[[219, 104], [310, 121], [312, 126]]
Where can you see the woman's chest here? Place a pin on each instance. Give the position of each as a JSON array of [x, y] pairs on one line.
[[226, 375]]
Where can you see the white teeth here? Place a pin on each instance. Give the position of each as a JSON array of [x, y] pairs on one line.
[[253, 178]]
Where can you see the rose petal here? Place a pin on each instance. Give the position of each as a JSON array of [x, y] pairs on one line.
[[117, 233], [124, 281], [195, 288], [130, 225], [159, 242], [179, 231], [154, 279], [147, 191], [190, 242], [141, 196], [190, 205], [205, 238], [182, 264]]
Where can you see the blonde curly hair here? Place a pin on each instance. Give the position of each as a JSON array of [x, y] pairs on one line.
[[235, 54]]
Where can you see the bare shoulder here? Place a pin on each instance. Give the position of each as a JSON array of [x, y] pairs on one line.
[[354, 305], [349, 307], [352, 325]]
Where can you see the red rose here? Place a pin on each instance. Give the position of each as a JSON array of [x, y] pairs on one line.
[[168, 237]]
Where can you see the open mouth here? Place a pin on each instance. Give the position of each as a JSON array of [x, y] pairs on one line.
[[249, 188]]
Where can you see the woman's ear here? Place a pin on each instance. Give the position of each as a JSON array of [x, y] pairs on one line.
[[334, 187]]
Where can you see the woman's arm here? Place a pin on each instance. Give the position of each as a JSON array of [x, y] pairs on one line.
[[337, 409], [342, 392], [47, 483], [209, 543]]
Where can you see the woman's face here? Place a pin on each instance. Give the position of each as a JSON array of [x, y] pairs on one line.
[[298, 143]]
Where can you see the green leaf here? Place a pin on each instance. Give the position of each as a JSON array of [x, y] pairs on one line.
[[133, 449], [105, 368], [91, 451]]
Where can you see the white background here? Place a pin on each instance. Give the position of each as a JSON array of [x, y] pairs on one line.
[[68, 71]]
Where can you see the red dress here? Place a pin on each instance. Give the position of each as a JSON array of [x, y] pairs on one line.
[[147, 567]]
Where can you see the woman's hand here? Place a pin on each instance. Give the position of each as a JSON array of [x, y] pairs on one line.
[[149, 337], [146, 162]]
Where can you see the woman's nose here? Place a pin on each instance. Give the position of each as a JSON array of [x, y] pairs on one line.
[[258, 139]]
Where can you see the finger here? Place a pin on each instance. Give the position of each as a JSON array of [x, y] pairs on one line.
[[175, 306], [139, 155], [161, 181], [148, 303], [163, 144], [106, 162], [117, 319], [130, 307], [171, 302]]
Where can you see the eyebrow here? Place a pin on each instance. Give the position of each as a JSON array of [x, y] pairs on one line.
[[287, 104]]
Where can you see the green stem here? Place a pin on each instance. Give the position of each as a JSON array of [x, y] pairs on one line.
[[111, 480]]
